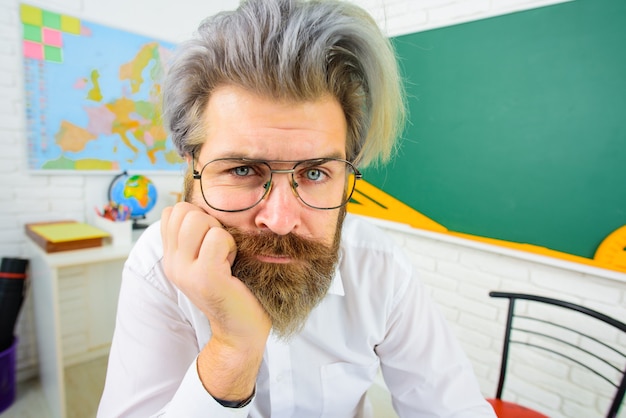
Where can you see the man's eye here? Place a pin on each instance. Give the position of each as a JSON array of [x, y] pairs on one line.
[[314, 174], [241, 171]]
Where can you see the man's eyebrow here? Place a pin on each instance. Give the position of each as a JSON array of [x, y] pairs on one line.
[[243, 156]]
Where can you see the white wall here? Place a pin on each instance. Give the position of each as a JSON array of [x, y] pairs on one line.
[[458, 273]]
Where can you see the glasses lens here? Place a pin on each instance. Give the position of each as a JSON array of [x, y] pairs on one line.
[[325, 183], [236, 184]]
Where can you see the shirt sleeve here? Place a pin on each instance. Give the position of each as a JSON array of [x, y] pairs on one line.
[[423, 364], [152, 364], [192, 400]]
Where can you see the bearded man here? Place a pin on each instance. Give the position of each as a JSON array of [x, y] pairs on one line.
[[258, 296]]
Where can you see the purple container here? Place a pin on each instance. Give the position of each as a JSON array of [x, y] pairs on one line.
[[7, 376]]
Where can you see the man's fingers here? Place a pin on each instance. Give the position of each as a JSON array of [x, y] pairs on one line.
[[192, 231], [218, 245], [190, 235]]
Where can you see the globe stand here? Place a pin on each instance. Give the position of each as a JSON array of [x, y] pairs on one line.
[[137, 225]]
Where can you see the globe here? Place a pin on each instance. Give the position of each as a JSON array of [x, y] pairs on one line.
[[137, 192]]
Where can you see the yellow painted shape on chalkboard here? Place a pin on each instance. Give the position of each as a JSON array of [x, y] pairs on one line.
[[612, 250], [368, 200], [543, 251]]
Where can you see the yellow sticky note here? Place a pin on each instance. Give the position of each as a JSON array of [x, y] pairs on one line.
[[31, 15], [70, 25]]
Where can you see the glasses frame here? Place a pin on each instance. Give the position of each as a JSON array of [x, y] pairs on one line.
[[197, 175]]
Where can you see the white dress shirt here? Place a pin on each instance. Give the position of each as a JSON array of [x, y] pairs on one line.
[[376, 314]]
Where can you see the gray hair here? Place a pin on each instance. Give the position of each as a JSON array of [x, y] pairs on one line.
[[291, 50]]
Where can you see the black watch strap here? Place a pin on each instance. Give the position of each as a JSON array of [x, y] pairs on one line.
[[235, 404]]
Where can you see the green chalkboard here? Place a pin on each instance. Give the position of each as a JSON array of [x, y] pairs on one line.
[[518, 126]]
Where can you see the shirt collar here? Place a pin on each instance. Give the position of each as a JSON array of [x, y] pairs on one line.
[[336, 286]]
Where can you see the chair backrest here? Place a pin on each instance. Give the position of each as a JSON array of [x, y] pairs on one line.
[[567, 335]]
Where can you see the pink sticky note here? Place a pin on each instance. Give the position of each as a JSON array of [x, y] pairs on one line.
[[33, 50], [52, 37]]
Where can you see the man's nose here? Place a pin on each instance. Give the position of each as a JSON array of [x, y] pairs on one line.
[[280, 209]]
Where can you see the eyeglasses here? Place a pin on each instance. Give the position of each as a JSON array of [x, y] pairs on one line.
[[238, 184]]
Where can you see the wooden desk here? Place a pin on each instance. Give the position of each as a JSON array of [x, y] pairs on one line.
[[75, 301]]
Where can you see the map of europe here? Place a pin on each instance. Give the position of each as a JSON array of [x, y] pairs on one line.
[[93, 96]]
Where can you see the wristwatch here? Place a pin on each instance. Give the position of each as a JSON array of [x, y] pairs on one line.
[[235, 404]]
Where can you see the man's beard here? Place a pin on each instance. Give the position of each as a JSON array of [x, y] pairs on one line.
[[287, 291]]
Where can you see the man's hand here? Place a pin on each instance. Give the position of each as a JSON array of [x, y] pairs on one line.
[[197, 257]]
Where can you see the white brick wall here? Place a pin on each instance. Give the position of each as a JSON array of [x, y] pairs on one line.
[[399, 17], [459, 274]]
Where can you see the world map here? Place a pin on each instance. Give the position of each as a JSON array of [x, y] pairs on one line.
[[93, 96]]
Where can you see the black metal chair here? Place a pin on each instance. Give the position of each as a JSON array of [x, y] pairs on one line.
[[565, 335]]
